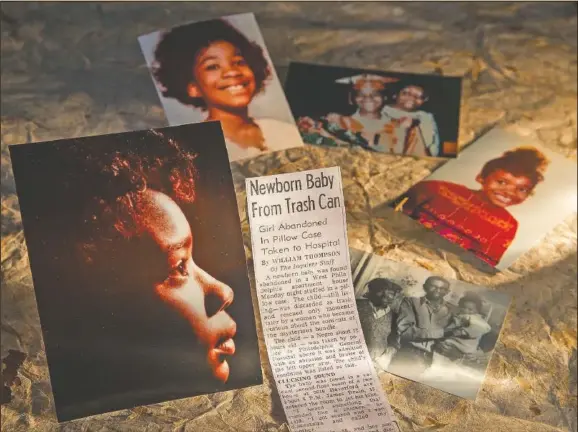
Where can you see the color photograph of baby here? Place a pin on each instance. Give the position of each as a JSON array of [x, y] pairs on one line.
[[220, 70], [431, 329], [501, 196], [139, 268], [385, 112]]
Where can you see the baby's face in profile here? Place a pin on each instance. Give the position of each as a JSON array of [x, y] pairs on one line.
[[185, 286]]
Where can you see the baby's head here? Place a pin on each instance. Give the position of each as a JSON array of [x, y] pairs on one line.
[[511, 178], [136, 235], [210, 63], [470, 304]]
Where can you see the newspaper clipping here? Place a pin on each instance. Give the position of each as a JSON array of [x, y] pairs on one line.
[[316, 347]]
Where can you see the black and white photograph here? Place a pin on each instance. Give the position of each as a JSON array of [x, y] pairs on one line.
[[428, 328], [387, 112], [220, 69], [138, 267]]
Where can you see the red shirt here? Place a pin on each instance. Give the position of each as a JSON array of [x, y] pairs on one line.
[[461, 216]]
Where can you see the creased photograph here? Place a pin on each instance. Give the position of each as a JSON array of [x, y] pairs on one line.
[[431, 329]]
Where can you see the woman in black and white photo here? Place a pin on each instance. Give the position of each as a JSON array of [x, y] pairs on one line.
[[377, 310]]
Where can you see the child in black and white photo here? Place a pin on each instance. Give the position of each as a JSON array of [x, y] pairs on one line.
[[467, 328]]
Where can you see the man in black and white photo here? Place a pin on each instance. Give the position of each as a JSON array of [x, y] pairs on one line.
[[421, 322]]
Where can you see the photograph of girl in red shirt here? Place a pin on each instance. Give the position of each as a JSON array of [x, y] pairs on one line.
[[478, 220]]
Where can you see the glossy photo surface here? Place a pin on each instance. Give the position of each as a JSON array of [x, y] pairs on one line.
[[502, 195], [138, 266], [381, 111], [221, 70]]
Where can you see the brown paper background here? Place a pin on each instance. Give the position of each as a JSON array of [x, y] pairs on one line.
[[76, 69]]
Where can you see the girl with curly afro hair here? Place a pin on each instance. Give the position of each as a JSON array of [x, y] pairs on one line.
[[478, 220], [214, 67]]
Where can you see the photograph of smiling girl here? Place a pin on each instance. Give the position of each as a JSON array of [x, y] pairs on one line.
[[139, 267], [498, 199], [220, 70]]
